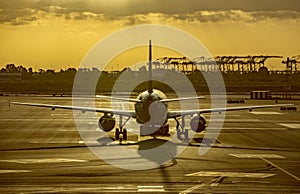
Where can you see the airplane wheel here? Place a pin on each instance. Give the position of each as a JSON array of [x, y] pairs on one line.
[[117, 134], [124, 134]]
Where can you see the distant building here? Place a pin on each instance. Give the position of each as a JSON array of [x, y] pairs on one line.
[[10, 76]]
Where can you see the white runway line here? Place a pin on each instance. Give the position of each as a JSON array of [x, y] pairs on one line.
[[62, 114], [74, 189], [150, 188], [256, 156], [266, 113], [45, 160], [213, 183], [95, 142], [189, 190], [290, 125], [231, 174], [236, 120], [263, 157], [288, 173], [255, 128], [14, 171], [66, 141]]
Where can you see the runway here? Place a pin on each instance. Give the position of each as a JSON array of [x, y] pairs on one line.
[[42, 152]]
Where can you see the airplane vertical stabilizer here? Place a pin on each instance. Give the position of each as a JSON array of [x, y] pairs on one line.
[[150, 89]]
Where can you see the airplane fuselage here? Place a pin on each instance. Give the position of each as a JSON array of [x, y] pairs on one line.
[[150, 110]]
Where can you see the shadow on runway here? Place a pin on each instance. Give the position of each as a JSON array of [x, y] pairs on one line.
[[201, 159], [157, 150], [152, 143], [105, 140], [160, 151], [205, 140]]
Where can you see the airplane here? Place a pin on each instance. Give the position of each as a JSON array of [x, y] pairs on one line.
[[151, 111]]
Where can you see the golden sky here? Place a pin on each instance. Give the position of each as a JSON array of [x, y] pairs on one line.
[[58, 33]]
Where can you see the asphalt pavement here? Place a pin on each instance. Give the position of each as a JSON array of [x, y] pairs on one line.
[[43, 152]]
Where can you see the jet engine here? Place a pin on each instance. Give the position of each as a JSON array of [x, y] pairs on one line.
[[198, 123], [106, 123]]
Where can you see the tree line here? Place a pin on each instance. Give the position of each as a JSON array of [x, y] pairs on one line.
[[49, 73], [41, 73]]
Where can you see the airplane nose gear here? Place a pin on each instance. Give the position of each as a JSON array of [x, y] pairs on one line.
[[121, 132], [182, 133]]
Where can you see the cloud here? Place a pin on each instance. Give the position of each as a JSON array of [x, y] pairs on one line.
[[147, 19], [234, 16], [85, 16], [278, 15], [229, 16], [55, 9], [221, 16], [29, 15], [9, 15], [26, 16], [20, 16], [130, 7], [23, 21]]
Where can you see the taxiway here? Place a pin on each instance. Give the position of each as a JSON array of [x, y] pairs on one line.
[[42, 152]]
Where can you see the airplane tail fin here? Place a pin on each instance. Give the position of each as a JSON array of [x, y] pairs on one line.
[[150, 87]]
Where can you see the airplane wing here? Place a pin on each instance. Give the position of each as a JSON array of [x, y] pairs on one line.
[[174, 114], [137, 100], [180, 99], [128, 113], [118, 98]]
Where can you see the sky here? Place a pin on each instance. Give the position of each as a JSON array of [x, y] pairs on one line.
[[57, 34]]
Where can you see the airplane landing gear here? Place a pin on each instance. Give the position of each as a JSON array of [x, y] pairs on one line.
[[121, 132], [182, 133]]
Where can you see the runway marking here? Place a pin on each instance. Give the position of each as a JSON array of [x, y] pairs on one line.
[[67, 141], [237, 120], [263, 182], [62, 114], [14, 171], [256, 156], [95, 142], [285, 171], [150, 188], [189, 190], [93, 189], [47, 160], [266, 113], [263, 157], [256, 128], [250, 128], [231, 174], [290, 125], [213, 183]]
